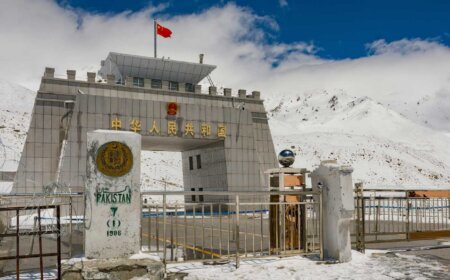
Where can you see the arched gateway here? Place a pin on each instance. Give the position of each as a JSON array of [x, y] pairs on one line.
[[225, 140]]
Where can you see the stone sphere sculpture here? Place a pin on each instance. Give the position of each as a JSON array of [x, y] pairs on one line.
[[286, 158]]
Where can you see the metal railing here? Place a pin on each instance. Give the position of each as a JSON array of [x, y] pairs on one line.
[[40, 231], [219, 226], [397, 215], [228, 226], [49, 218]]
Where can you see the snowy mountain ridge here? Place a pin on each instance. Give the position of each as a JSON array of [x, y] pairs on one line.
[[384, 147]]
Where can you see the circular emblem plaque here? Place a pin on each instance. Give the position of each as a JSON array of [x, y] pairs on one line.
[[114, 159], [172, 108]]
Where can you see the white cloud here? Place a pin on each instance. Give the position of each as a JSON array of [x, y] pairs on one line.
[[283, 3], [35, 34], [402, 46]]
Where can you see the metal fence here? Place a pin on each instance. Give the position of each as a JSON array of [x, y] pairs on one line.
[[247, 224], [42, 228], [219, 226], [40, 231], [398, 215]]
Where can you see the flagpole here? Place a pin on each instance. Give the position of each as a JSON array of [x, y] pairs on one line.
[[154, 31]]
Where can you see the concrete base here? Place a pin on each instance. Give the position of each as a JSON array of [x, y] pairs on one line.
[[113, 269]]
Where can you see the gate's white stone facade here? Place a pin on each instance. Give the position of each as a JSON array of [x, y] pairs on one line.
[[225, 140]]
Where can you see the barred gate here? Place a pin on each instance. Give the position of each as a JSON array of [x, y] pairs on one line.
[[37, 231], [229, 229], [17, 233], [399, 215]]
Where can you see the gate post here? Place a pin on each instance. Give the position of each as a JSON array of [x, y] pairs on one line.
[[448, 206], [338, 207], [359, 225], [237, 231], [408, 207]]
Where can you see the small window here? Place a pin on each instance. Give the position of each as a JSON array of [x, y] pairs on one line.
[[173, 86], [200, 197], [199, 162], [138, 82], [189, 87], [191, 163], [156, 83], [193, 196]]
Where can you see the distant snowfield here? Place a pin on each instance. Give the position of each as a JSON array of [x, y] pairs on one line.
[[363, 266], [385, 148]]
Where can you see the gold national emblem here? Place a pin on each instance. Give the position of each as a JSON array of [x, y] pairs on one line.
[[114, 159]]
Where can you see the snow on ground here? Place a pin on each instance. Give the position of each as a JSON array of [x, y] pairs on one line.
[[373, 265], [363, 266], [142, 255]]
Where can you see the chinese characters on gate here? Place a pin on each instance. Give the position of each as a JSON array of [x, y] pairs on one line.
[[172, 128]]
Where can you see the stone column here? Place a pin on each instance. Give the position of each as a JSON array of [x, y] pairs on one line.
[[112, 194], [338, 206], [212, 90], [71, 74], [242, 93], [111, 79], [91, 77], [198, 89], [227, 92], [49, 72], [129, 81]]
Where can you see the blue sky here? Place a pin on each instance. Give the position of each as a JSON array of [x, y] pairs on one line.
[[339, 29]]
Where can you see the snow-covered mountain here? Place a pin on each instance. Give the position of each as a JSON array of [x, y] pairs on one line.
[[384, 147], [431, 110], [16, 103]]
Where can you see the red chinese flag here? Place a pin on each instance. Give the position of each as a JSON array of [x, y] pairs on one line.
[[163, 31]]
